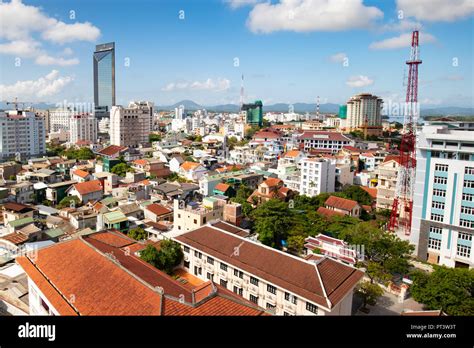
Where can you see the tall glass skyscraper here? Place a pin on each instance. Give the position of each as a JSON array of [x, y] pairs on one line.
[[104, 79]]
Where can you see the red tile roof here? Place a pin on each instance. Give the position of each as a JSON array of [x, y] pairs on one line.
[[112, 150], [17, 207], [87, 187], [141, 162], [351, 149], [292, 153], [328, 212], [392, 158], [15, 238], [340, 203], [189, 165], [271, 182], [370, 190], [158, 209], [304, 278]]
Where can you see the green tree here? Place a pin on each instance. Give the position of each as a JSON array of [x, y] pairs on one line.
[[154, 137], [166, 258], [448, 289], [66, 202], [137, 233], [384, 253], [84, 153], [369, 292], [358, 194], [121, 169], [272, 222], [296, 243]]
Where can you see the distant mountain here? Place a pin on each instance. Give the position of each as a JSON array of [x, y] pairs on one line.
[[447, 111]]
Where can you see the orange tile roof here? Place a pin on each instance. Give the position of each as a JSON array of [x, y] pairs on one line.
[[88, 187], [340, 203], [158, 209], [83, 174], [189, 165], [222, 187], [141, 162], [392, 158], [270, 182], [112, 150], [370, 190], [292, 153]]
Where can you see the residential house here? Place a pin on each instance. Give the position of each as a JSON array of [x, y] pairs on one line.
[[157, 212], [80, 175], [192, 171], [270, 189], [87, 191], [343, 205]]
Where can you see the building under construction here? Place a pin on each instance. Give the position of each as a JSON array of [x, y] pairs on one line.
[[254, 113]]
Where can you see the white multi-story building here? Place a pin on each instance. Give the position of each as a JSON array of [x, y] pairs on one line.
[[59, 120], [323, 140], [282, 283], [131, 126], [179, 113], [21, 132], [443, 207], [318, 175], [83, 128], [365, 110]]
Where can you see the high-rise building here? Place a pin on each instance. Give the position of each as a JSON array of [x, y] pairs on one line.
[[59, 119], [83, 128], [443, 204], [104, 79], [22, 133], [254, 113], [180, 113], [131, 126], [364, 112], [318, 175]]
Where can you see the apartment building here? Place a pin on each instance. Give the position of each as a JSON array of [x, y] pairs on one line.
[[364, 112], [387, 173], [131, 126], [323, 140], [279, 282], [21, 133], [187, 217], [84, 128], [59, 120], [317, 175], [443, 207]]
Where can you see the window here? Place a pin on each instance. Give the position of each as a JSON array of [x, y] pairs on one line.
[[223, 266], [270, 307], [436, 217], [210, 260], [467, 210], [253, 299], [467, 197], [271, 289], [253, 281], [465, 236], [468, 184], [466, 223], [440, 180], [290, 298], [210, 276], [286, 314], [238, 273], [441, 167], [204, 220], [463, 250], [312, 308], [434, 244], [464, 156], [186, 249], [469, 170], [44, 305], [186, 264], [224, 283], [195, 221], [437, 205], [238, 291], [197, 270], [434, 142], [439, 193], [197, 254]]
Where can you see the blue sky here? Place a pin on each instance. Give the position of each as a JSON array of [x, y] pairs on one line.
[[283, 49]]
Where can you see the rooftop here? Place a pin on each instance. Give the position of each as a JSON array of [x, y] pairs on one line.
[[341, 203]]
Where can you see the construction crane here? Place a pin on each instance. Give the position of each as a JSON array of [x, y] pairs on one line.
[[402, 208], [16, 102]]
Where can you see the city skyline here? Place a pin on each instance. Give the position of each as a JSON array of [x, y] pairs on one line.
[[204, 49]]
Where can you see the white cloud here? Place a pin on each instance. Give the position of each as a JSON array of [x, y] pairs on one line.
[[241, 3], [61, 32], [67, 51], [403, 40], [312, 15], [338, 57], [21, 48], [436, 10], [208, 85], [359, 81], [402, 25], [44, 59], [45, 86], [21, 25]]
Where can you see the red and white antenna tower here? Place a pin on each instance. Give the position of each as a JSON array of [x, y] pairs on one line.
[[402, 208]]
